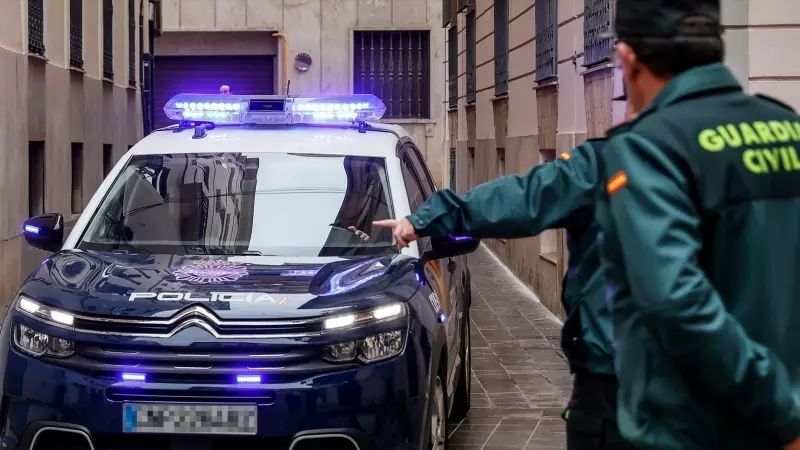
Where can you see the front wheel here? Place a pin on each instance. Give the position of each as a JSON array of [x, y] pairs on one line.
[[462, 394], [437, 436]]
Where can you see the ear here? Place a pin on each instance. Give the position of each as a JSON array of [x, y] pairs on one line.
[[627, 58]]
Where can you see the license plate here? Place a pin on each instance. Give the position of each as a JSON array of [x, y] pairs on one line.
[[189, 419]]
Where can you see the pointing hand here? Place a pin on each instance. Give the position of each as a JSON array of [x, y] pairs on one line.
[[402, 229]]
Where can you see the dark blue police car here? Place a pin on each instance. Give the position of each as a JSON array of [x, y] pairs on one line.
[[225, 288]]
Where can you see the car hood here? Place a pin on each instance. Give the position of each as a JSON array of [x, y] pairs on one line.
[[240, 287]]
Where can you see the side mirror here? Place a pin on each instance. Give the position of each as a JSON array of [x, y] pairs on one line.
[[45, 232], [450, 247]]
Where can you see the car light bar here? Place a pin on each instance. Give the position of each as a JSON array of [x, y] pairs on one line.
[[276, 110]]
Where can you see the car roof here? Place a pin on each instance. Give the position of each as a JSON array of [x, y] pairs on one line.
[[275, 139]]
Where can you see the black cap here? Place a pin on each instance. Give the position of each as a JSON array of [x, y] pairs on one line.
[[667, 18]]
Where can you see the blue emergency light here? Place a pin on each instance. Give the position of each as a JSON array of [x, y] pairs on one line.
[[275, 110]]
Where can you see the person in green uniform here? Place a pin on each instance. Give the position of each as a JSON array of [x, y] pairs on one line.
[[701, 237], [559, 194]]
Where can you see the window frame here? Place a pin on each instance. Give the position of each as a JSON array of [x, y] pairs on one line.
[[380, 68], [546, 17], [501, 47], [452, 67], [36, 27], [598, 46], [131, 44], [471, 56], [76, 34], [107, 43]]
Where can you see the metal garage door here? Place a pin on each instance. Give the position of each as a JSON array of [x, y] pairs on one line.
[[205, 74]]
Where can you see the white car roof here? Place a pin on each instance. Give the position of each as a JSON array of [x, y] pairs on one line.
[[274, 139]]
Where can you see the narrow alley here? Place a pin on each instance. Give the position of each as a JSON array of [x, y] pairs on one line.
[[520, 381]]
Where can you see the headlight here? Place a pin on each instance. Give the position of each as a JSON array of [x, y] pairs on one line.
[[36, 309], [379, 314], [368, 350], [38, 344]]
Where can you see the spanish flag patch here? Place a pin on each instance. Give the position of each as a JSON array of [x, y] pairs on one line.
[[617, 182], [565, 156]]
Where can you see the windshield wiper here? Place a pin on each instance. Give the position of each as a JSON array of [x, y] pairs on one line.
[[117, 248]]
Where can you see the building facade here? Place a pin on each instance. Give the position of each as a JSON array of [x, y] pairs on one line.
[[528, 80], [70, 106], [391, 48]]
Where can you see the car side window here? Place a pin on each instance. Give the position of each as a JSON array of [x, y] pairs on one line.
[[421, 169], [416, 194], [413, 188]]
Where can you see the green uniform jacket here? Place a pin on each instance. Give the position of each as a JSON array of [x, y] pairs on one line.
[[560, 194], [701, 236]]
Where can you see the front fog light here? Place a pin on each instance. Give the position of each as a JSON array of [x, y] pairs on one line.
[[341, 352], [371, 349], [38, 344], [381, 346]]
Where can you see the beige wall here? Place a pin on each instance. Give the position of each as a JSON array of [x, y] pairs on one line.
[[492, 139], [41, 99], [321, 28], [761, 37]]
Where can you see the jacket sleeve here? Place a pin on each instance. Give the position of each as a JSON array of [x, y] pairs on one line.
[[659, 234], [515, 206]]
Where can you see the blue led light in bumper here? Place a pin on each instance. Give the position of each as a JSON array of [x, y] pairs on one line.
[[134, 377], [248, 379]]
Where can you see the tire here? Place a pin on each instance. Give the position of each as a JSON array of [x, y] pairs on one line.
[[462, 393], [437, 416]]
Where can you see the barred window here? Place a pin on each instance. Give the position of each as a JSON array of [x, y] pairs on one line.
[[500, 47], [452, 66], [108, 39], [131, 44], [395, 67], [597, 46], [453, 166], [36, 27], [472, 48], [76, 33], [546, 39]]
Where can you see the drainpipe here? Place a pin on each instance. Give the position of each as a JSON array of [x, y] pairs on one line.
[[285, 60]]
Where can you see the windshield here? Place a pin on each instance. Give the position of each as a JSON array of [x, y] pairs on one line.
[[278, 204]]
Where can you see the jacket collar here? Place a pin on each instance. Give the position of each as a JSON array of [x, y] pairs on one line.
[[699, 81]]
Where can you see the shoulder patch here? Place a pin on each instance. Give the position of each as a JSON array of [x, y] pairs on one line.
[[775, 101], [616, 182], [565, 156]]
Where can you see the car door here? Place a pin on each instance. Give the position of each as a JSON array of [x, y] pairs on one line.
[[446, 272]]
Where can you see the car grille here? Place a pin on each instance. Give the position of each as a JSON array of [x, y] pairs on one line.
[[201, 317], [219, 364]]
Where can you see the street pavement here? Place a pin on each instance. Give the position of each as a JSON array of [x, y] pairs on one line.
[[520, 381]]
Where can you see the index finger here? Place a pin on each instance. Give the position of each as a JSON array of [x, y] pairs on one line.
[[387, 223]]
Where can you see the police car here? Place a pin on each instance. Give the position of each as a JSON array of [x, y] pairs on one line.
[[225, 288]]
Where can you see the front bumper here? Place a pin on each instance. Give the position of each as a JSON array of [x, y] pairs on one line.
[[374, 406]]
